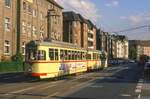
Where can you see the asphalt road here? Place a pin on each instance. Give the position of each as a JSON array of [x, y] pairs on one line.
[[117, 82]]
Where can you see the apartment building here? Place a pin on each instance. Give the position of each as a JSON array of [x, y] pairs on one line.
[[103, 41], [39, 20], [142, 47], [91, 38], [122, 47], [78, 30], [71, 28], [7, 28]]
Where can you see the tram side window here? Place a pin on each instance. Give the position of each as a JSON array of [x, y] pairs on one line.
[[89, 56], [94, 55], [66, 54], [83, 56], [56, 54], [62, 55], [69, 55], [73, 55], [79, 56], [98, 56], [51, 54], [41, 55]]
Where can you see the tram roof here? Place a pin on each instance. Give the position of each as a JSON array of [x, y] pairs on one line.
[[57, 44]]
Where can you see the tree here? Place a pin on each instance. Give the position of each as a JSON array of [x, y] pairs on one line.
[[132, 53]]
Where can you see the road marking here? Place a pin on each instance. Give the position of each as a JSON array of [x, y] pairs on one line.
[[7, 78], [138, 91], [125, 95], [22, 90], [54, 94], [139, 96], [96, 86], [139, 88], [34, 87], [47, 87], [140, 84]]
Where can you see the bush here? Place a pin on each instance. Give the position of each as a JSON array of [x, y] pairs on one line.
[[18, 57], [103, 56], [11, 66]]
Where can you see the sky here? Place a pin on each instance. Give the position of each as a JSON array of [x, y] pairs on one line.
[[114, 15]]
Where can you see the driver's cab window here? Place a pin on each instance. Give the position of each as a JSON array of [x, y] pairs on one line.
[[31, 55], [41, 55]]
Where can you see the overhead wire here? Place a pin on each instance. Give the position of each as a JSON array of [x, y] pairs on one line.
[[131, 29]]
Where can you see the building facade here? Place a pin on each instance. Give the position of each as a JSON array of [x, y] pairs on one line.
[[7, 28], [141, 47], [79, 31], [38, 20], [122, 47]]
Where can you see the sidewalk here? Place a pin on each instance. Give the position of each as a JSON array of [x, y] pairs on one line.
[[146, 88], [13, 72]]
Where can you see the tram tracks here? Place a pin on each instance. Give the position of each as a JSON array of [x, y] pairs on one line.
[[48, 89]]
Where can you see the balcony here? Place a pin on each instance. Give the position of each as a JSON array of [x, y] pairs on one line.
[[90, 39], [90, 31], [90, 47]]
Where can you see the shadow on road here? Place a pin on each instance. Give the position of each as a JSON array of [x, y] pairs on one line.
[[110, 87]]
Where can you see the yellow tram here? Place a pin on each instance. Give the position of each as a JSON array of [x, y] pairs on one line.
[[54, 59]]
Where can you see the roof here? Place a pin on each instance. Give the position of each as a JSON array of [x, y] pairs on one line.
[[90, 24], [55, 3], [140, 42], [145, 43], [82, 19], [54, 44], [71, 16]]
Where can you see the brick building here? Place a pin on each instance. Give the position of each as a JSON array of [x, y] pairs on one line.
[[39, 20], [78, 30]]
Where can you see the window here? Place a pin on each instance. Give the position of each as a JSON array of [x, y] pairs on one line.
[[62, 54], [41, 16], [6, 47], [29, 29], [83, 56], [29, 9], [34, 30], [90, 44], [23, 48], [8, 3], [23, 27], [41, 34], [89, 56], [90, 35], [34, 13], [69, 55], [94, 56], [7, 24], [41, 55], [24, 6], [56, 54], [51, 54]]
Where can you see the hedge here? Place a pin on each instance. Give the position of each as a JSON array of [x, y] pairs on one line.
[[12, 66]]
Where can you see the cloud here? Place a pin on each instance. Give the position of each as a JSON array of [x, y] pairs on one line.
[[85, 7], [113, 3], [141, 18]]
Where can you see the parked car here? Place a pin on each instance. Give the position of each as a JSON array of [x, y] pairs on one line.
[[147, 68], [132, 61]]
